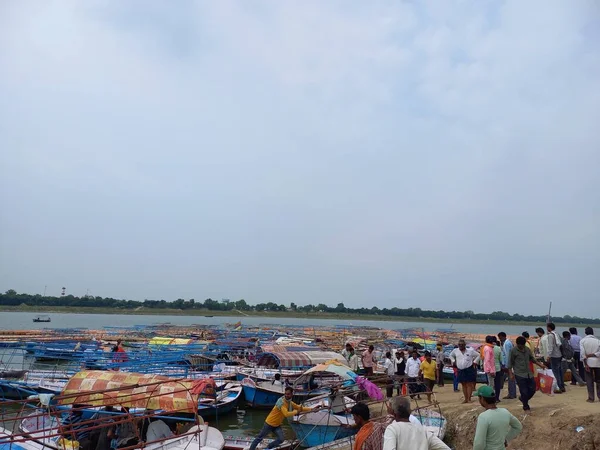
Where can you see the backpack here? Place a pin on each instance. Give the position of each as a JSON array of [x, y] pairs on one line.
[[566, 350]]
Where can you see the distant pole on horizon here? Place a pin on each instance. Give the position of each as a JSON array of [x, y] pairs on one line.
[[549, 312], [45, 286]]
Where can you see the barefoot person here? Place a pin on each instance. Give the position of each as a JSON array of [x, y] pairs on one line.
[[284, 408], [465, 360], [495, 426]]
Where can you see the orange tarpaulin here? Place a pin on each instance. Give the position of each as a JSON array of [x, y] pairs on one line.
[[99, 388]]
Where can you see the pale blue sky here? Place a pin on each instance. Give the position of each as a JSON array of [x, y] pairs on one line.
[[442, 155]]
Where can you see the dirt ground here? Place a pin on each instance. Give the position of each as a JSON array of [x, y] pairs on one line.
[[549, 425]]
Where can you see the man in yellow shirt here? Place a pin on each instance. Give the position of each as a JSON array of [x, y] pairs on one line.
[[427, 371], [283, 409]]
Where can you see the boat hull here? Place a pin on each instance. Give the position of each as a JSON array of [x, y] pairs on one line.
[[312, 435]]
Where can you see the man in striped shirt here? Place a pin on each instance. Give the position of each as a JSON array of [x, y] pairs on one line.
[[74, 427]]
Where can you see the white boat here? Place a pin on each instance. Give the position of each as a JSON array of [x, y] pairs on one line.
[[200, 436], [244, 442], [10, 442], [432, 421], [44, 432]]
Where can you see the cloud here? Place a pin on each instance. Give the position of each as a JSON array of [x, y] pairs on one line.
[[395, 153]]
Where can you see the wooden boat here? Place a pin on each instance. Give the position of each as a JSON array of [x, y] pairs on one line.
[[225, 402], [10, 442], [264, 374], [43, 430], [321, 427], [200, 436], [243, 443], [264, 394], [432, 421], [42, 319]]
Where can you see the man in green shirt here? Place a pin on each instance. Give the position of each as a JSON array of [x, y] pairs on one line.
[[520, 368], [495, 426]]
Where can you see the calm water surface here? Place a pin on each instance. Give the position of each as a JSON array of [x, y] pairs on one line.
[[24, 320]]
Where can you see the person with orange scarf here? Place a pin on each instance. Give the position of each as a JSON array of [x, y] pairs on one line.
[[370, 434]]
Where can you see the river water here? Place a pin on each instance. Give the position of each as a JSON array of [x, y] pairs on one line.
[[24, 321]]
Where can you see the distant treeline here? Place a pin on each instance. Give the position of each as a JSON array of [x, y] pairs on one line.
[[12, 298]]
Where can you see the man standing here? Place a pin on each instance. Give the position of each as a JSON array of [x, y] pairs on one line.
[[404, 435], [388, 367], [347, 350], [465, 360], [575, 341], [529, 345], [283, 409], [351, 357], [499, 378], [542, 343], [439, 361], [400, 364], [568, 360], [520, 369], [427, 370], [370, 434], [496, 426], [555, 356], [507, 347], [589, 348], [368, 360], [413, 366], [489, 363]]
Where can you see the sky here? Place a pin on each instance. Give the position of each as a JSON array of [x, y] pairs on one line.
[[441, 155]]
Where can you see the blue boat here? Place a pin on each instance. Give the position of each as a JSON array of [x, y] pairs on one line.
[[226, 401], [321, 427], [261, 394], [264, 394]]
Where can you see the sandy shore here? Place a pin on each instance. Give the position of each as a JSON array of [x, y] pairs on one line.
[[549, 425]]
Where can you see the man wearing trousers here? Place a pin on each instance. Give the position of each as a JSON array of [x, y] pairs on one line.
[[555, 357], [507, 347], [590, 355], [520, 370]]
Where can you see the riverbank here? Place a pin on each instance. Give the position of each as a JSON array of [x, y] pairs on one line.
[[551, 424], [141, 311]]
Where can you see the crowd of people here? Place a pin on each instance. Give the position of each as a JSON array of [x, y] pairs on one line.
[[504, 363]]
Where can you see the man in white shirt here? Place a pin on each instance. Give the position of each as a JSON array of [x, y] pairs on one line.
[[542, 343], [465, 360], [555, 357], [158, 431], [589, 347], [390, 370], [351, 357], [277, 380], [404, 435], [413, 366]]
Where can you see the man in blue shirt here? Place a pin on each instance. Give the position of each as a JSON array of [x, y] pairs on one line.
[[507, 347]]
